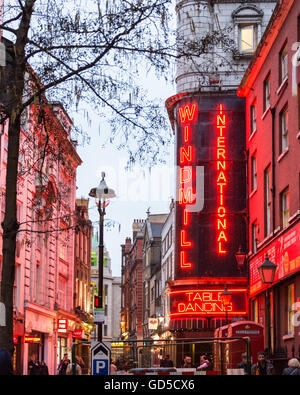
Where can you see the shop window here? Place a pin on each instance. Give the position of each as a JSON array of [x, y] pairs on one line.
[[290, 308], [283, 130], [284, 207]]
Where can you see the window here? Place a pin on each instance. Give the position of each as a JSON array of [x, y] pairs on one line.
[[267, 102], [283, 65], [254, 238], [290, 308], [284, 208], [283, 130], [254, 306], [253, 173], [267, 202], [105, 330], [252, 118], [248, 38]]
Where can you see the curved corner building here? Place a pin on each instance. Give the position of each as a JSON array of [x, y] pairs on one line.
[[208, 120]]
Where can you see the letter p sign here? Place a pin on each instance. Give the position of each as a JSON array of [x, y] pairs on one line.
[[100, 367]]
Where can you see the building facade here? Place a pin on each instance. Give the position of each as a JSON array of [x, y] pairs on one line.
[[44, 280], [167, 268], [208, 121], [271, 88], [132, 284], [82, 273], [152, 309], [111, 293]]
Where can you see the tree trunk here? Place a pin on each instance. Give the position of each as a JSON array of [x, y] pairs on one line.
[[10, 224]]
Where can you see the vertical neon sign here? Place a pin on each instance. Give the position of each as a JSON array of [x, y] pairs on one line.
[[221, 124], [187, 115]]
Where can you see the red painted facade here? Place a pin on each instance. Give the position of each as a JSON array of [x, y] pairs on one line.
[[271, 87]]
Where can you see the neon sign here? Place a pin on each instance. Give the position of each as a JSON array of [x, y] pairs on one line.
[[186, 195], [211, 185], [206, 302], [221, 124]]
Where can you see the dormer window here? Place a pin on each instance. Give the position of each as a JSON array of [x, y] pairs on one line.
[[247, 21]]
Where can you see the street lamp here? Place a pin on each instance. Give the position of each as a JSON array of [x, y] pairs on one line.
[[240, 257], [226, 300], [102, 193], [267, 273]]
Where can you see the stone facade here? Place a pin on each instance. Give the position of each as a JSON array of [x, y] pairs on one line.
[[222, 66]]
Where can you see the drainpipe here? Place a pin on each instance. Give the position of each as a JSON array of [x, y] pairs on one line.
[[273, 110]]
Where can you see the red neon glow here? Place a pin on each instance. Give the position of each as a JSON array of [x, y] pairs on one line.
[[186, 154], [221, 124], [206, 301], [186, 196], [187, 134], [183, 241], [186, 217], [185, 174], [188, 113], [183, 263]]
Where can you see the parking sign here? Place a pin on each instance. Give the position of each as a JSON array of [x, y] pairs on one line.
[[100, 358]]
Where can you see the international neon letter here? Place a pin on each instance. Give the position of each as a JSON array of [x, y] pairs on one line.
[[221, 182]]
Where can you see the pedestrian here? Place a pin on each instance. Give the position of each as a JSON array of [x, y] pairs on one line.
[[80, 362], [244, 365], [113, 367], [262, 367], [204, 364], [69, 370], [44, 369], [34, 366], [62, 367], [293, 368], [187, 362], [6, 366], [166, 362]]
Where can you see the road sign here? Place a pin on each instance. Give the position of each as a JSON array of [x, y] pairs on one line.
[[100, 358]]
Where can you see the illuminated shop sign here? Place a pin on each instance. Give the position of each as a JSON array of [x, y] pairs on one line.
[[206, 302], [62, 326], [210, 218]]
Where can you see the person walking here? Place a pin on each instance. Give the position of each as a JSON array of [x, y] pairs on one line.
[[262, 367], [6, 366], [44, 369], [62, 367], [293, 368]]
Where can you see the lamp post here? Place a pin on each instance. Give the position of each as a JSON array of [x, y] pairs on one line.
[[102, 193], [226, 300], [240, 256], [267, 272]]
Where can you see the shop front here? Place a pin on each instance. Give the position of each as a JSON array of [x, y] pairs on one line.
[[39, 337]]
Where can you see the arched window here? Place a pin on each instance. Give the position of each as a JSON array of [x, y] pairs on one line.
[[247, 21]]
